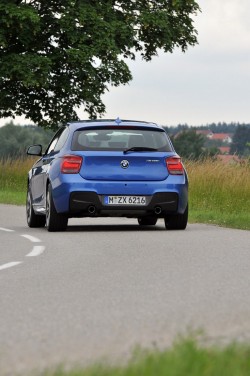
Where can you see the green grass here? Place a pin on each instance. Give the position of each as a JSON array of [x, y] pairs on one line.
[[218, 193], [13, 180], [238, 220], [184, 358], [12, 197], [13, 174]]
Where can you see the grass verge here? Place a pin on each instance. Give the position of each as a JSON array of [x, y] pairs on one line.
[[184, 358], [218, 193], [239, 220], [12, 197]]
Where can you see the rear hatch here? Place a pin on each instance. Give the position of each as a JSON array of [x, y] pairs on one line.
[[140, 166], [123, 153]]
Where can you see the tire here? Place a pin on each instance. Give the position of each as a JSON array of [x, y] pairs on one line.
[[147, 221], [54, 221], [33, 220], [177, 221]]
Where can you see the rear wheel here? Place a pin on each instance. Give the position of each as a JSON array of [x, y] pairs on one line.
[[54, 221], [147, 221], [177, 221], [33, 220]]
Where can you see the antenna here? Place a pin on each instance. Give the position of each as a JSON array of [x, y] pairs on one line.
[[118, 121]]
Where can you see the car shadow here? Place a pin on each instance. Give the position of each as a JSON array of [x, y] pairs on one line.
[[112, 228]]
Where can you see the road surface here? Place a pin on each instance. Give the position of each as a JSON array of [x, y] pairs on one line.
[[106, 285]]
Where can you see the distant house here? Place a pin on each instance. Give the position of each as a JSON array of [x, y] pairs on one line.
[[223, 137], [224, 149], [206, 132], [228, 158]]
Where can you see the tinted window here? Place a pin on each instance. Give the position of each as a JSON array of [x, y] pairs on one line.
[[62, 139], [119, 139], [54, 141]]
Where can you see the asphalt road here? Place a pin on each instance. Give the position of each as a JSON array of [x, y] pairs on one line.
[[107, 285]]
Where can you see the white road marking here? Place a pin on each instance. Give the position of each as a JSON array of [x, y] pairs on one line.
[[10, 264], [31, 238], [36, 251], [6, 229]]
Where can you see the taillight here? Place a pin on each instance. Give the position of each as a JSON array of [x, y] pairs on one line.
[[174, 166], [71, 164]]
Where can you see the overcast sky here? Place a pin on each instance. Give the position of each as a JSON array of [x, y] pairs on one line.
[[209, 83]]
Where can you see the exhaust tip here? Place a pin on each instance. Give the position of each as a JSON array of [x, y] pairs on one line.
[[157, 210], [91, 209]]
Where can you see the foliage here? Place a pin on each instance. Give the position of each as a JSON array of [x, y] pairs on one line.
[[213, 127], [221, 127], [15, 139], [213, 143], [57, 55], [189, 144], [241, 140]]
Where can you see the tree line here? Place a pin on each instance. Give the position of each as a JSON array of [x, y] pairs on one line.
[[15, 139], [192, 145], [221, 127]]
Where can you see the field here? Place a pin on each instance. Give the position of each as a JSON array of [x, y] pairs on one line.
[[13, 180], [218, 193]]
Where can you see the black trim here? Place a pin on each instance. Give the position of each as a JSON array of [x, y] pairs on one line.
[[80, 202]]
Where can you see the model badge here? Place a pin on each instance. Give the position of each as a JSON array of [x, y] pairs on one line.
[[124, 163]]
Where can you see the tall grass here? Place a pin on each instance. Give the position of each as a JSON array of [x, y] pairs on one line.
[[218, 193], [13, 180]]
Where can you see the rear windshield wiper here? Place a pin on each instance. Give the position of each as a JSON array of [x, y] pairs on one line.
[[138, 148]]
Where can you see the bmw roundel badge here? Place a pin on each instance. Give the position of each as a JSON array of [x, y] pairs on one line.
[[124, 163]]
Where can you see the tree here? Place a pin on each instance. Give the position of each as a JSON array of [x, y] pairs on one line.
[[241, 140], [15, 139], [189, 144], [57, 55]]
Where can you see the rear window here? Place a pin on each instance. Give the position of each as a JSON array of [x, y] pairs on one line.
[[119, 139]]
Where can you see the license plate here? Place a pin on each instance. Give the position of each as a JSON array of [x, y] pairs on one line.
[[125, 200]]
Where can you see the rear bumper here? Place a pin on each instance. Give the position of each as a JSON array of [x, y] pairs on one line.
[[90, 203], [72, 195]]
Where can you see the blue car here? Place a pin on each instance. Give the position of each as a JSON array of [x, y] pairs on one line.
[[107, 168]]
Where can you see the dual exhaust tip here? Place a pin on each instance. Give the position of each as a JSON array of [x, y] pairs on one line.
[[92, 210], [158, 210]]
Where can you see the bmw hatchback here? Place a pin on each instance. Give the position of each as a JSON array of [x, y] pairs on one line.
[[107, 168]]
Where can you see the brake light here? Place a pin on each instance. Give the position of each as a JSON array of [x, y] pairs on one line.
[[71, 164], [174, 166]]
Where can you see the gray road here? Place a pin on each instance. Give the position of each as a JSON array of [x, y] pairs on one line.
[[106, 285]]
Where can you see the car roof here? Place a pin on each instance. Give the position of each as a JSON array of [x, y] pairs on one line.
[[111, 122]]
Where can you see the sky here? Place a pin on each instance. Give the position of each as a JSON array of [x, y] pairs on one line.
[[209, 83]]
